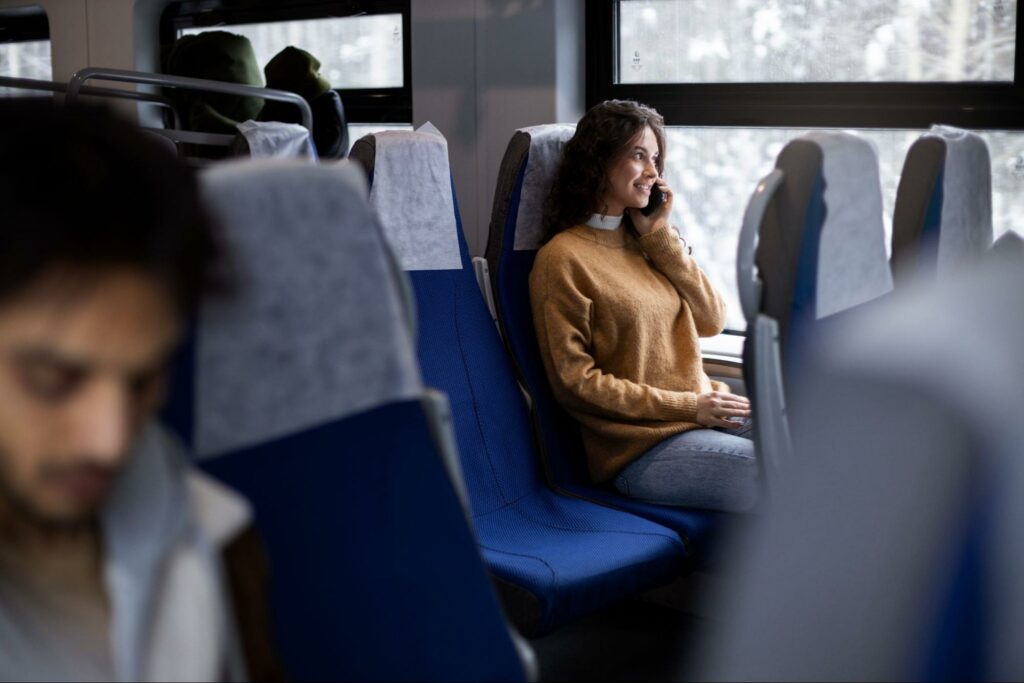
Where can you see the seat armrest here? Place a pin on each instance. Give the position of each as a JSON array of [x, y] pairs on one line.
[[483, 279]]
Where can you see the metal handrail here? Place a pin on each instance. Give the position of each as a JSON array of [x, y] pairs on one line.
[[92, 91], [123, 76]]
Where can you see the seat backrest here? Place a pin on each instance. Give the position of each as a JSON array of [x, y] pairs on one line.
[[895, 552], [302, 390], [516, 233], [943, 213], [814, 231], [459, 349], [821, 244]]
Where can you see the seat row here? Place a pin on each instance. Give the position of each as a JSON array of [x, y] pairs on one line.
[[812, 251], [356, 390], [893, 546], [307, 390]]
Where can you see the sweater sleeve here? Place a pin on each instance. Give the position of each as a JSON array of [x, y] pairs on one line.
[[562, 319], [665, 250]]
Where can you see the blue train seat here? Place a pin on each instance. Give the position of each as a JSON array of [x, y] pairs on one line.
[[554, 558], [516, 229], [811, 251], [309, 401], [895, 551], [943, 213]]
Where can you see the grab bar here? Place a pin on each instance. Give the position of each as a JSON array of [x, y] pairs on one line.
[[167, 81], [91, 91]]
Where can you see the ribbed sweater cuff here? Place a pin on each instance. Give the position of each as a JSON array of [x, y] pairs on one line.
[[682, 405]]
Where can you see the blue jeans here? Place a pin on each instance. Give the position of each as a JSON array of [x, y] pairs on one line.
[[702, 468]]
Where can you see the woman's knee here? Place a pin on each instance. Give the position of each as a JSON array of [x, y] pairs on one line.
[[720, 475]]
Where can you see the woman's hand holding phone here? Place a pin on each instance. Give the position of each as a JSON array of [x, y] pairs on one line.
[[656, 214]]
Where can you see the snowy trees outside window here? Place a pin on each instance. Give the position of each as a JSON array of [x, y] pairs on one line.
[[827, 41], [715, 169], [28, 59], [354, 52]]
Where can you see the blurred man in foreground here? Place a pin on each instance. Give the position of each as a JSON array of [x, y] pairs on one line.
[[118, 561]]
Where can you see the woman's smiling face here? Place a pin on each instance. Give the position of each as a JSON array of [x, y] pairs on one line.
[[631, 176]]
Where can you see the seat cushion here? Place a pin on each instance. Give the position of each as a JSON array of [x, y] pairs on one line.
[[573, 557]]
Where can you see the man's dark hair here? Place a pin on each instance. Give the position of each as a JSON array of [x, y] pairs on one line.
[[83, 187]]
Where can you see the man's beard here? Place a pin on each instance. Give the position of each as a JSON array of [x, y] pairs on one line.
[[20, 505]]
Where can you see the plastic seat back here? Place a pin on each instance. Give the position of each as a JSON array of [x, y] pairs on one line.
[[943, 213], [301, 389]]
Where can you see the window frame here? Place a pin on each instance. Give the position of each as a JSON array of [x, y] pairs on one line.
[[362, 105], [985, 106]]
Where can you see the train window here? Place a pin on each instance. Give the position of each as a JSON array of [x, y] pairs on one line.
[[711, 41], [736, 79], [355, 52], [24, 47], [363, 47]]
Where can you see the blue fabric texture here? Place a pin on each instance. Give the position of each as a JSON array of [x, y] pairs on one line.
[[572, 556], [374, 572], [558, 433]]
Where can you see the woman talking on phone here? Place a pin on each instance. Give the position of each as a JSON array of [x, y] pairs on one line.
[[619, 305]]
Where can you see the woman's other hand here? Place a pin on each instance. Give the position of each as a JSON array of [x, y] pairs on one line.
[[716, 407], [659, 219]]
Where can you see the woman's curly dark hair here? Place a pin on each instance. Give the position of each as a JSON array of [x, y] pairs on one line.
[[604, 133]]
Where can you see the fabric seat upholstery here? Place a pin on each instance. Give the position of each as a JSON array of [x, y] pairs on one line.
[[943, 213], [554, 558], [310, 403]]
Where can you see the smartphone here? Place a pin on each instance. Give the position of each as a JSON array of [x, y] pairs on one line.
[[656, 200]]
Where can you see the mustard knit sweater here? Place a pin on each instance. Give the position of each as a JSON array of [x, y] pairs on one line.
[[618, 320]]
